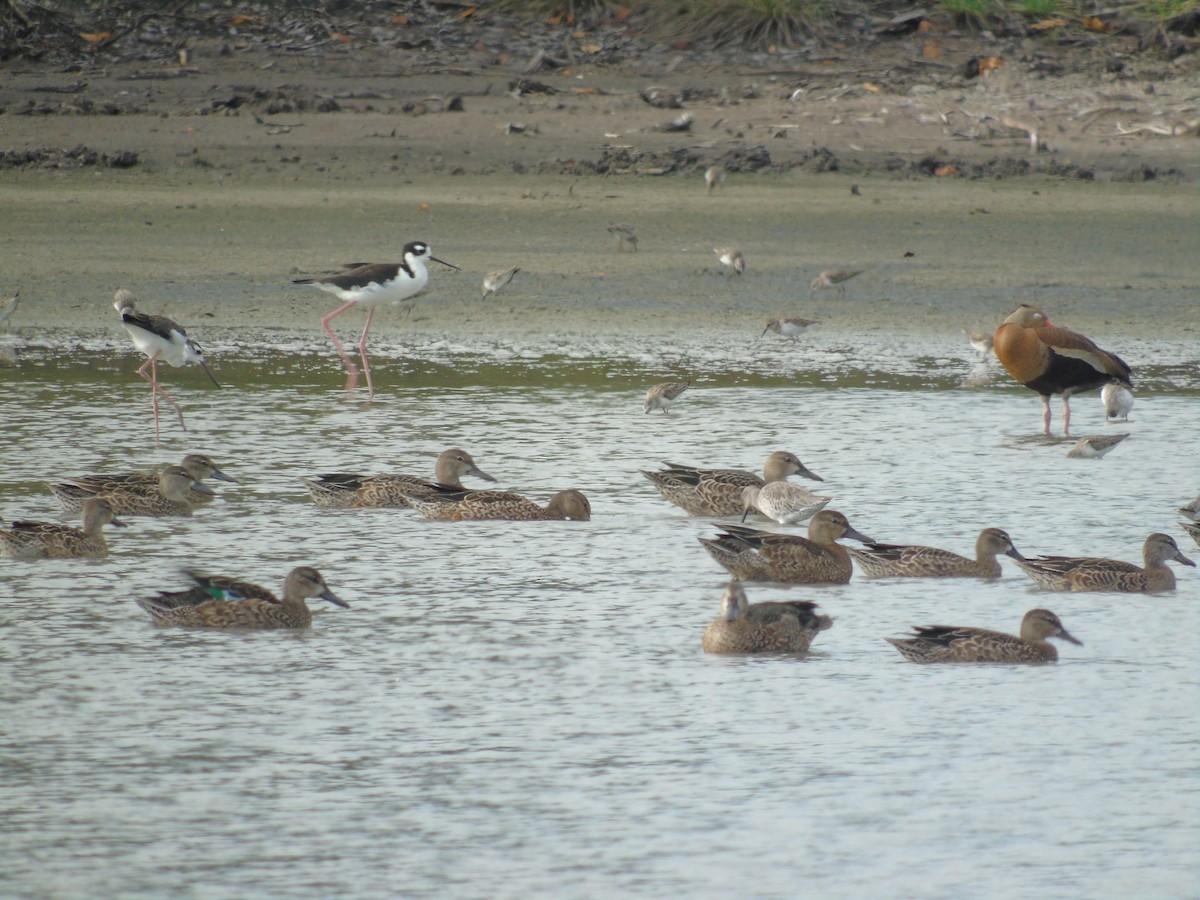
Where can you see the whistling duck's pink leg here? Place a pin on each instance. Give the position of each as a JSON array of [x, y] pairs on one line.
[[155, 390], [351, 369], [362, 353], [1046, 416], [1066, 416]]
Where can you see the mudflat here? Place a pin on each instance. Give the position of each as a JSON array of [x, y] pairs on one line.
[[207, 188]]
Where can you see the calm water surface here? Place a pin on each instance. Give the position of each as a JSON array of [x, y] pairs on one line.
[[514, 710]]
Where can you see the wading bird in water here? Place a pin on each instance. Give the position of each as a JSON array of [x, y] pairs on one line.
[[369, 284], [1053, 360], [159, 338]]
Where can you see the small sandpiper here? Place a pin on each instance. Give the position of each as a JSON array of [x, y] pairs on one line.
[[981, 343], [1095, 446], [790, 328], [158, 338], [732, 259], [833, 278], [498, 279], [663, 395], [370, 284], [714, 177], [1117, 400], [626, 236], [8, 307]]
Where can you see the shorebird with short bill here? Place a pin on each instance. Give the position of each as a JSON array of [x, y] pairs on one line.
[[714, 177], [369, 284], [732, 260], [833, 278], [8, 307], [494, 281], [790, 327], [663, 395], [626, 236], [158, 338]]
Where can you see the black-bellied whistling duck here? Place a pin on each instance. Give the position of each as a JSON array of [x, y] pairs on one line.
[[1053, 360]]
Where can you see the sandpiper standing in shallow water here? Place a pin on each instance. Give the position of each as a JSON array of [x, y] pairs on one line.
[[158, 338], [1095, 446], [663, 395], [1117, 400], [833, 278], [790, 327], [981, 343], [370, 284], [498, 279], [626, 236], [732, 259], [8, 307], [714, 177]]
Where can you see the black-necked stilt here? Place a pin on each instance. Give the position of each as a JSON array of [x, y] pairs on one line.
[[833, 278], [8, 307], [159, 338], [732, 258], [370, 284], [498, 279]]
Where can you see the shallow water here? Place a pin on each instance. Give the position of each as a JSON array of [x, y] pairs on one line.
[[523, 709]]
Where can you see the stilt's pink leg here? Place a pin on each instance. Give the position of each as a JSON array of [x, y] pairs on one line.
[[351, 369], [362, 353], [1046, 416], [155, 390], [152, 365]]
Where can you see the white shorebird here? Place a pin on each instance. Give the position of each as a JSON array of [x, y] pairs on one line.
[[1117, 400], [789, 328], [1095, 446], [714, 177], [783, 501], [497, 280], [732, 259], [370, 284], [8, 307], [158, 338], [833, 278], [626, 236], [663, 395]]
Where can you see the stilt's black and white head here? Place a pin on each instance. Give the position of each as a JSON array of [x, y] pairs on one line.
[[419, 251]]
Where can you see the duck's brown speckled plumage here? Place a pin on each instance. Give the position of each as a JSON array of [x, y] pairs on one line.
[[51, 540], [450, 505], [221, 602], [344, 491], [781, 627], [911, 561], [949, 644], [1089, 573], [72, 492], [167, 497], [753, 555], [718, 492]]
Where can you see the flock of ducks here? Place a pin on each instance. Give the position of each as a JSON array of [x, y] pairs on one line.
[[1044, 357]]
